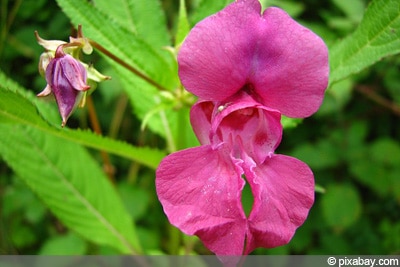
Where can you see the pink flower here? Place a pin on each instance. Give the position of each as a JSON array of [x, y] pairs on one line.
[[247, 69], [66, 79], [285, 64], [200, 188]]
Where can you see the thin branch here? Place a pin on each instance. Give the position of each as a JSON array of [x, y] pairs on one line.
[[371, 94], [108, 167], [126, 65]]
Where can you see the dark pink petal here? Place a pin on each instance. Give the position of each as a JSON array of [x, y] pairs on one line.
[[215, 58], [290, 68], [283, 190], [200, 119], [200, 190], [273, 56], [74, 73], [238, 118], [249, 127]]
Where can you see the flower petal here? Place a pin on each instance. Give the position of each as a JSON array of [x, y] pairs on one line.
[[74, 72], [200, 119], [49, 45], [257, 127], [200, 190], [283, 190], [215, 58], [66, 97], [46, 91], [290, 65], [285, 64], [238, 118]]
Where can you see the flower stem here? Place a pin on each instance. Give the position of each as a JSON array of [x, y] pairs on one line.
[[372, 95], [174, 240], [6, 21], [127, 66], [168, 133], [94, 121], [118, 116]]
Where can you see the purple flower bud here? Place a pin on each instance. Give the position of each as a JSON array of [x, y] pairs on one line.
[[66, 78]]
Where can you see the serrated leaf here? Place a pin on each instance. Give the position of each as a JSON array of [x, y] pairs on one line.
[[377, 36], [15, 108], [70, 183], [183, 24], [144, 18], [153, 62]]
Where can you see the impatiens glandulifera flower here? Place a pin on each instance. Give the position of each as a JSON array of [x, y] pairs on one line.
[[247, 69], [66, 79], [284, 64], [200, 188]]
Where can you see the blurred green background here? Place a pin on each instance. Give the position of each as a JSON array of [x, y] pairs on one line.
[[352, 144]]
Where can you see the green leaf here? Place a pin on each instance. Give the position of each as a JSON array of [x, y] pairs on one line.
[[383, 147], [183, 24], [353, 9], [336, 97], [294, 9], [154, 62], [69, 244], [341, 205], [21, 234], [144, 18], [377, 36], [70, 183], [15, 108], [206, 8], [381, 173], [136, 200], [321, 155], [288, 123]]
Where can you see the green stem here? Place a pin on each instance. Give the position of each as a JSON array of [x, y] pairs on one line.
[[181, 143], [174, 240], [127, 66], [189, 243], [13, 13], [118, 116], [170, 139], [7, 20]]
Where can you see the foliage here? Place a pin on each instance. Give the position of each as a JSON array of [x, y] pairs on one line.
[[56, 199]]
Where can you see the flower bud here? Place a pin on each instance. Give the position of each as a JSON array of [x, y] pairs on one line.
[[66, 78]]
